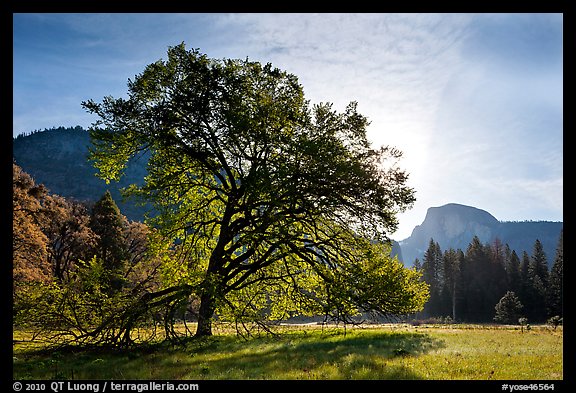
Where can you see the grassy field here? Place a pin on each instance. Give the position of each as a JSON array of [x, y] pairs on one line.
[[442, 352]]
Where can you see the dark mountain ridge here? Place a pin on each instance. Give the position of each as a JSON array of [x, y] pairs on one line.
[[454, 226]]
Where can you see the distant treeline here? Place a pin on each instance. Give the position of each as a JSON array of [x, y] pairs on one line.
[[467, 285], [57, 129]]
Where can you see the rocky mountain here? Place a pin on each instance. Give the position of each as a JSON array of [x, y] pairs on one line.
[[454, 225]]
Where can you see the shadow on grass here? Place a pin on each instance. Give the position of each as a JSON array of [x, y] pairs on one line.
[[361, 355]]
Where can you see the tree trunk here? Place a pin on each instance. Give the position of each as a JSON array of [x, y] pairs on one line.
[[205, 314], [454, 302], [212, 285]]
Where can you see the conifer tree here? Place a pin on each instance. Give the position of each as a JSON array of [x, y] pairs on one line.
[[555, 281], [513, 273], [453, 260], [525, 279], [476, 276], [538, 283], [417, 265], [107, 222], [508, 309], [497, 283], [432, 275], [539, 262]]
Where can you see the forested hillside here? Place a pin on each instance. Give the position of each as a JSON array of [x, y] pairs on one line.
[[57, 158]]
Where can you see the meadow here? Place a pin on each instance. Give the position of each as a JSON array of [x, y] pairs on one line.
[[313, 352]]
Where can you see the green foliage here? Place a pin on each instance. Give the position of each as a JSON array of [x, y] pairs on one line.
[[508, 308], [84, 310], [374, 283], [379, 283], [83, 301], [68, 312], [108, 224], [270, 202]]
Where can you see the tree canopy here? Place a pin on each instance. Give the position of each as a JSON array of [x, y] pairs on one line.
[[280, 207]]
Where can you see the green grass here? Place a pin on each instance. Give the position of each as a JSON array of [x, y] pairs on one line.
[[456, 352]]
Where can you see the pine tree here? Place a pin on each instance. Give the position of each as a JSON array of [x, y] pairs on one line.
[[417, 265], [525, 285], [477, 306], [539, 263], [453, 260], [555, 281], [513, 273], [538, 276], [508, 309], [497, 284], [107, 222], [433, 276]]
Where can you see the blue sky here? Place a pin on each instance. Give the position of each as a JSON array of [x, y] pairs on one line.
[[475, 101]]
